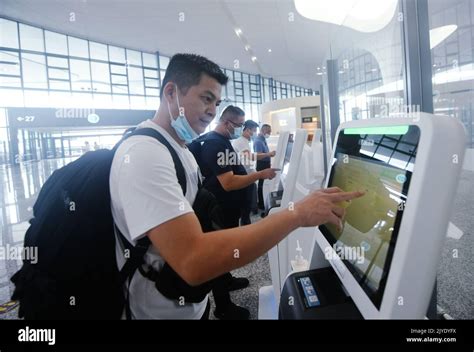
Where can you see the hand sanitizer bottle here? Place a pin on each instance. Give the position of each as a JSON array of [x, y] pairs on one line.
[[299, 264]]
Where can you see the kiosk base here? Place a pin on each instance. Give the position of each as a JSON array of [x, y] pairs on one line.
[[267, 304], [316, 294]]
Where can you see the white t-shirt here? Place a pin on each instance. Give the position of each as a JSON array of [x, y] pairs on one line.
[[145, 193], [242, 144]]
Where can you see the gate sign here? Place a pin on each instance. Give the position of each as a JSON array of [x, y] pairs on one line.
[[75, 117]]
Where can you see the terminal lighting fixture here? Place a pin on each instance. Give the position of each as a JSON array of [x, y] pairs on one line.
[[247, 47], [362, 15], [238, 31], [254, 58]]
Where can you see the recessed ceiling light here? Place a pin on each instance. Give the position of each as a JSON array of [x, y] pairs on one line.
[[269, 50], [254, 58], [247, 47], [238, 31]]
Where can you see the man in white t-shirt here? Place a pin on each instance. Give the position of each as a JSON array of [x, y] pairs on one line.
[[147, 200], [248, 159]]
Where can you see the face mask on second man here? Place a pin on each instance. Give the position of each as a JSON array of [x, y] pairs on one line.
[[237, 131]]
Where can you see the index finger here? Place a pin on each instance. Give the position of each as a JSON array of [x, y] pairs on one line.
[[344, 196], [332, 190]]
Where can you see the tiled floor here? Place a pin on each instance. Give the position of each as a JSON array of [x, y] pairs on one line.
[[19, 187], [456, 269]]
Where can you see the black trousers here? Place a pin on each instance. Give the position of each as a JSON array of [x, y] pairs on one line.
[[261, 165], [231, 217], [220, 291], [250, 204]]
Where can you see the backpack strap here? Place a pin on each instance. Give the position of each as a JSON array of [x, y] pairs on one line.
[[178, 165], [134, 262]]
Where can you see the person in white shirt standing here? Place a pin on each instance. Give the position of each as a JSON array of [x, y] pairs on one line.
[[248, 159], [147, 200]]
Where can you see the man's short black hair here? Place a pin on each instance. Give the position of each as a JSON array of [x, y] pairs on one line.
[[233, 111], [249, 124], [186, 70], [265, 125]]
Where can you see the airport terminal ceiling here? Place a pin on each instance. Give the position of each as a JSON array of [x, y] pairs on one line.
[[265, 26]]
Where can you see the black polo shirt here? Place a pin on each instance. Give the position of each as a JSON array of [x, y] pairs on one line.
[[219, 157]]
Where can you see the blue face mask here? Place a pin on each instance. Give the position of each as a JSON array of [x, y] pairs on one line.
[[181, 125], [237, 133]]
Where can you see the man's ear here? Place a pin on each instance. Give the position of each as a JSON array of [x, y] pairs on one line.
[[169, 91]]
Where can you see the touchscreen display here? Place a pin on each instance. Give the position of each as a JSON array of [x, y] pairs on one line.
[[382, 165]]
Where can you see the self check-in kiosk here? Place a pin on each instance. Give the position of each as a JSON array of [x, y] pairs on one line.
[[272, 193], [287, 192], [383, 263]]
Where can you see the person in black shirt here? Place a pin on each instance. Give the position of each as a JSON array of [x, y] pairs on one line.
[[227, 179], [224, 175]]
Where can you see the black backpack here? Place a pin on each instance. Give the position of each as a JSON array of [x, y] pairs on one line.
[[76, 274]]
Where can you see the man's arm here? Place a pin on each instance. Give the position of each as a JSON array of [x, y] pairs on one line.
[[231, 182], [261, 156], [199, 257], [257, 156]]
